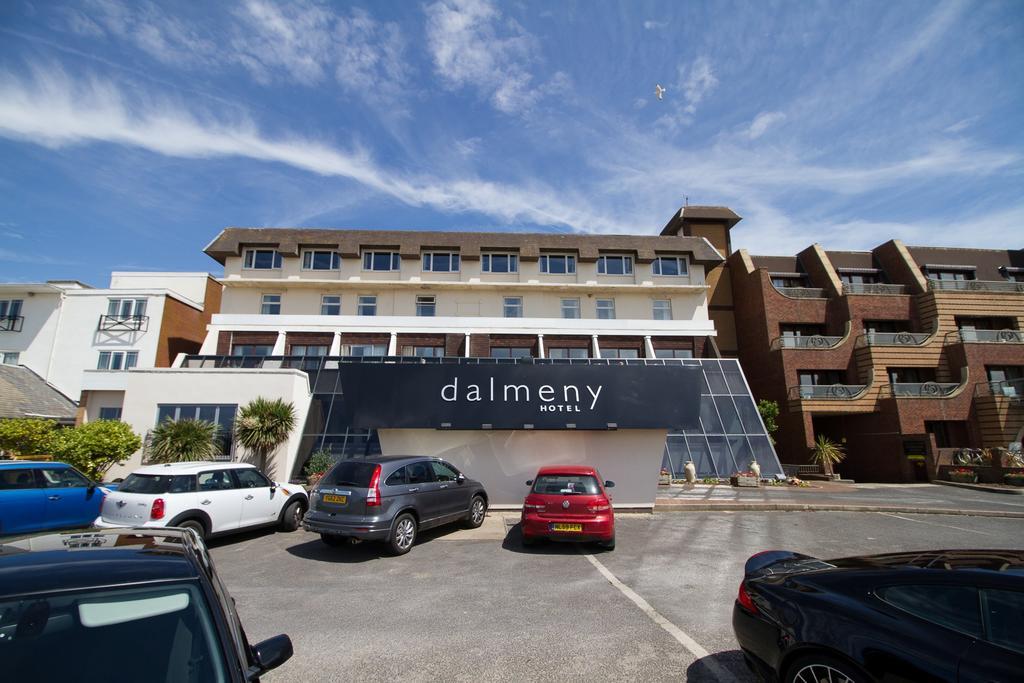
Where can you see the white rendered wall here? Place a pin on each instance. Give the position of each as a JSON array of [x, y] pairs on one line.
[[146, 389], [34, 343], [192, 286], [504, 460], [102, 399]]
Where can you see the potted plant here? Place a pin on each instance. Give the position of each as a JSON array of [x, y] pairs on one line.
[[1014, 478], [665, 478], [963, 475], [747, 479], [318, 464], [827, 453]]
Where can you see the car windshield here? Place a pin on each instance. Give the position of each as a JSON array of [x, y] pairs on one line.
[[567, 484], [157, 483], [160, 634], [350, 473]]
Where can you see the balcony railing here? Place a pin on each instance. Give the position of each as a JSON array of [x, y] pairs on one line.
[[802, 292], [1012, 389], [895, 338], [12, 323], [124, 323], [872, 288], [814, 341], [976, 285], [836, 392], [920, 389], [970, 336], [312, 363]]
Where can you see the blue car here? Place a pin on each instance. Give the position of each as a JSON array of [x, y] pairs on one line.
[[40, 496]]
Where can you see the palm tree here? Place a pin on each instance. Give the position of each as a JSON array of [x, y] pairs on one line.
[[184, 440], [262, 425], [827, 453]]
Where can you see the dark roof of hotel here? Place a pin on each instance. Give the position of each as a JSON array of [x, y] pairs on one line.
[[778, 264], [985, 261], [410, 243], [842, 260], [23, 393], [721, 214]]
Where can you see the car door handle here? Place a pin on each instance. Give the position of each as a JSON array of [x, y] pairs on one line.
[[205, 502], [53, 497], [414, 490], [249, 497]]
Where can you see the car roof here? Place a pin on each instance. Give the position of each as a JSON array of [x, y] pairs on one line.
[[567, 469], [1002, 562], [190, 467], [391, 459], [45, 563], [8, 464]]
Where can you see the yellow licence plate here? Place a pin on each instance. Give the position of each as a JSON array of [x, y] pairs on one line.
[[567, 527], [331, 498]]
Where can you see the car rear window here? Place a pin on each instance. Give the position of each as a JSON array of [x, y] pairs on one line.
[[350, 473], [158, 483], [567, 484]]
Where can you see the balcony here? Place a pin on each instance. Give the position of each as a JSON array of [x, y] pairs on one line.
[[971, 336], [895, 338], [921, 389], [315, 363], [814, 341], [873, 288], [802, 292], [124, 323], [975, 285], [12, 323], [831, 392], [1011, 389]]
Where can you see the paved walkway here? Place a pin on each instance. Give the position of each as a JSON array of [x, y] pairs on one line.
[[919, 498]]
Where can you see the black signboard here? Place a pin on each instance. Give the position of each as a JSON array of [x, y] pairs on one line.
[[382, 395]]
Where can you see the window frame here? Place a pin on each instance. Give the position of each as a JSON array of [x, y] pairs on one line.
[[369, 256], [599, 309], [654, 309], [126, 360], [422, 305], [562, 307], [373, 347], [362, 303], [264, 304], [487, 262], [309, 259], [427, 259], [111, 409], [506, 306], [249, 257], [682, 263], [225, 436], [11, 308], [6, 356], [324, 304], [627, 264], [544, 263], [136, 307]]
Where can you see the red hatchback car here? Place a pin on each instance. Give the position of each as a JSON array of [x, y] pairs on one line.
[[569, 503]]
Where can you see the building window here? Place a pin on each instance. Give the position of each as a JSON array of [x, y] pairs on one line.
[[558, 264], [367, 305], [910, 375], [615, 265], [801, 330], [381, 260], [363, 350], [10, 308], [886, 326], [614, 352], [440, 262], [788, 280], [499, 263], [513, 307], [673, 353], [606, 309], [859, 278], [570, 308], [670, 266], [662, 309], [820, 377], [309, 350], [262, 259], [563, 352], [426, 306], [270, 304], [117, 360], [221, 415], [330, 304], [126, 308], [1006, 380], [423, 351], [252, 349], [321, 260], [511, 352], [951, 274], [9, 357], [110, 413]]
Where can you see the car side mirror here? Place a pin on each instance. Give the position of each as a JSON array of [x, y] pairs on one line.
[[272, 652], [529, 482], [609, 484], [461, 478]]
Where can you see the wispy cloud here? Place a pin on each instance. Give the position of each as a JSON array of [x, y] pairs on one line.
[[651, 24], [762, 122], [693, 83]]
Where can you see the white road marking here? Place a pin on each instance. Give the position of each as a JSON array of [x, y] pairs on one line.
[[921, 521], [691, 645]]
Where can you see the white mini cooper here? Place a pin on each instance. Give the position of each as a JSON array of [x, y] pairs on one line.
[[212, 498]]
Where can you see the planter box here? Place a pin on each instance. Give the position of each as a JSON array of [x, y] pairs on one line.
[[962, 478], [743, 480], [1014, 479]]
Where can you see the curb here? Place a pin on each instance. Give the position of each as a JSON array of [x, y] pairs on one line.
[[805, 507], [981, 487]]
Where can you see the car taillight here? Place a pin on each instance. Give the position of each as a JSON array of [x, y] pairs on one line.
[[745, 600], [534, 507], [157, 511], [599, 506], [373, 495]]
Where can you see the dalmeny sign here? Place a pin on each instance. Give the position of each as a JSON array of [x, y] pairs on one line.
[[382, 395]]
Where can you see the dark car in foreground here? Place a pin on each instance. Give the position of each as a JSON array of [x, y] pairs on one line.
[[569, 503], [392, 499], [940, 615], [147, 602]]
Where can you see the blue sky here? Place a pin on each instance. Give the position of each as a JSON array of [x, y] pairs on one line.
[[132, 132]]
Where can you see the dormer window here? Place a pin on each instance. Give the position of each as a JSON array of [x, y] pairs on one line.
[[440, 262], [558, 264], [321, 260], [670, 266], [944, 272], [788, 279], [381, 260], [866, 276], [262, 259], [499, 263], [1012, 274], [614, 264]]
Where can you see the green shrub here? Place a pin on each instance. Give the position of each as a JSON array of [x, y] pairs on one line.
[[319, 462], [963, 475], [94, 447], [769, 411], [27, 436], [184, 440]]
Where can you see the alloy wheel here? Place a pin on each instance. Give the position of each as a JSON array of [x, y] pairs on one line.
[[297, 515], [820, 673], [478, 511], [404, 534]]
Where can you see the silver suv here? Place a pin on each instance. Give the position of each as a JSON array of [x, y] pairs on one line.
[[392, 499]]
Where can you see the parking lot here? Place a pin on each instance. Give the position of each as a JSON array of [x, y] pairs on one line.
[[474, 605]]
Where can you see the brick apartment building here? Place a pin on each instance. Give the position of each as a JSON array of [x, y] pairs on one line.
[[900, 351]]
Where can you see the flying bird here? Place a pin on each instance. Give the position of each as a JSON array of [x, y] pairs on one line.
[[659, 91]]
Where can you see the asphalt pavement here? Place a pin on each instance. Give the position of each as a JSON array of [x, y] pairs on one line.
[[475, 605]]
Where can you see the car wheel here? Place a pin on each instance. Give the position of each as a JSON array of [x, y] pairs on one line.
[[822, 667], [292, 517], [403, 534], [477, 512], [607, 545], [195, 525], [333, 540]]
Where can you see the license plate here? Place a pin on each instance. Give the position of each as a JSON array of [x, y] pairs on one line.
[[567, 527], [331, 498]]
